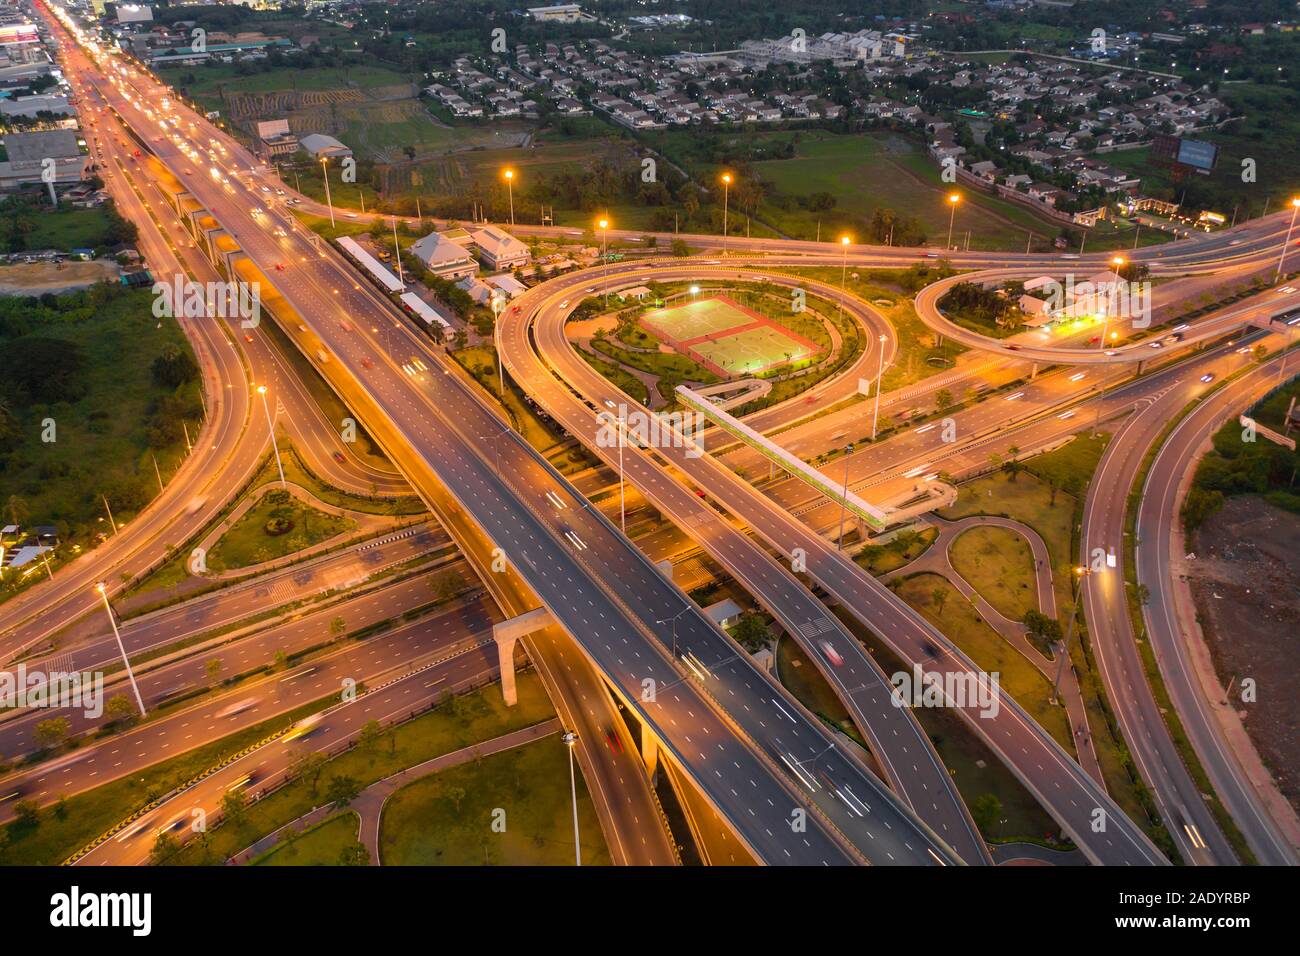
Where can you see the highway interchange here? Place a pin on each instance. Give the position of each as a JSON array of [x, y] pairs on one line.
[[753, 753]]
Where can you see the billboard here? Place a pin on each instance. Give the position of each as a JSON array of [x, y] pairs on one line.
[[1197, 154]]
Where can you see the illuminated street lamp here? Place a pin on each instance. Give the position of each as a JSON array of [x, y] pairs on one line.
[[509, 175], [1080, 573], [604, 250], [261, 390], [953, 200], [325, 171], [880, 380], [844, 266], [571, 740], [726, 193], [103, 593], [1295, 208]]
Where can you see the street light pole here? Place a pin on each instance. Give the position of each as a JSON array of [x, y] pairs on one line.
[[844, 500], [1295, 208], [880, 380], [604, 253], [397, 255], [325, 171], [571, 740], [510, 188], [261, 390], [1079, 573], [622, 430], [103, 593], [726, 195], [953, 199], [844, 268]]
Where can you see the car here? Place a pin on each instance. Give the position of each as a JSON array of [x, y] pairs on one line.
[[350, 215], [832, 655], [1094, 340], [339, 457], [515, 310], [279, 267], [699, 493], [1207, 378], [346, 327], [1013, 348], [564, 304], [1111, 352], [248, 338], [932, 255], [365, 361], [1157, 345], [614, 743]]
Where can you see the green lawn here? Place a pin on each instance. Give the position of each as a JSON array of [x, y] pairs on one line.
[[41, 227], [999, 564], [509, 809], [900, 550], [253, 539], [102, 441], [1027, 499], [457, 723], [944, 607], [87, 815], [322, 845], [800, 677]]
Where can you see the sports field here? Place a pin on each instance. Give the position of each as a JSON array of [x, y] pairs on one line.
[[728, 338]]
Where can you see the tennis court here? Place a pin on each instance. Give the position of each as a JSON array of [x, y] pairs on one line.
[[752, 350], [692, 320]]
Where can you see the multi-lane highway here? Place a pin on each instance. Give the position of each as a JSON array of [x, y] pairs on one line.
[[432, 417]]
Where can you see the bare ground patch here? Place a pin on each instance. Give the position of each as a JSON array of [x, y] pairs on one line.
[[1246, 584]]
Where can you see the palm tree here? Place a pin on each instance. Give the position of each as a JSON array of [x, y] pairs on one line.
[[938, 597]]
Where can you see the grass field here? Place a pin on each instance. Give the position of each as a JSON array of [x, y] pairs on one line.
[[800, 677], [999, 564], [945, 607], [690, 320], [470, 718], [64, 228], [86, 815], [102, 441], [249, 541], [447, 819], [322, 845], [880, 559]]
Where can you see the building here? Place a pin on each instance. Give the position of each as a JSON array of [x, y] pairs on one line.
[[31, 107], [560, 13], [507, 283], [134, 13], [275, 139], [31, 154], [724, 613], [319, 146], [500, 250], [444, 258]]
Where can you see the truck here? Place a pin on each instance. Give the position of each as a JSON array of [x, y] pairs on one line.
[[322, 356]]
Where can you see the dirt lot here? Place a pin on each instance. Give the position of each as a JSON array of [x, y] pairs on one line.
[[1247, 591], [37, 278]]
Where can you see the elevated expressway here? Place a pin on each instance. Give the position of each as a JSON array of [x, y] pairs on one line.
[[438, 431], [546, 359]]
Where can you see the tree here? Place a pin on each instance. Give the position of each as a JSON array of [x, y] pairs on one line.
[[173, 367], [354, 854], [119, 709], [338, 626], [1012, 466], [455, 794], [233, 807], [752, 632], [308, 767], [27, 813], [342, 790], [680, 249], [938, 597], [51, 733], [943, 399], [446, 585], [17, 509], [213, 668], [1038, 624], [164, 848], [369, 735], [986, 809]]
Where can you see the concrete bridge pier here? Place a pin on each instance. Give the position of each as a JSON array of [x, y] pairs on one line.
[[507, 634]]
